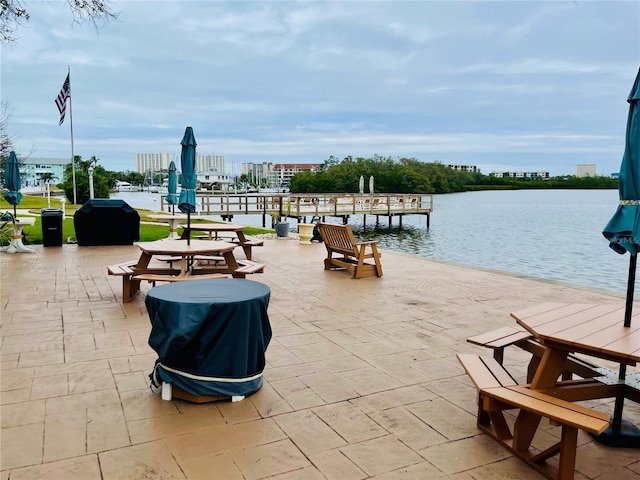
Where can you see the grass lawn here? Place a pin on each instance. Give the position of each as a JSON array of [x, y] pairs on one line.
[[33, 235]]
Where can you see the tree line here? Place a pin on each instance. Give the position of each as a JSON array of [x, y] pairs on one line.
[[410, 175]]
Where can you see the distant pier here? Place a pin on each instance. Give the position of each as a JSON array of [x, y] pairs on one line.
[[303, 206]]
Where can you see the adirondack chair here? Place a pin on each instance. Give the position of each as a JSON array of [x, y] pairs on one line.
[[361, 259]]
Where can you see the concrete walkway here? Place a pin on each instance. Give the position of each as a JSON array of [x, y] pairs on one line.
[[361, 382]]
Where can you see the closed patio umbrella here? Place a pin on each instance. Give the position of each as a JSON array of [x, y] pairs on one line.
[[12, 182], [187, 202], [361, 185], [371, 184], [623, 233], [172, 187]]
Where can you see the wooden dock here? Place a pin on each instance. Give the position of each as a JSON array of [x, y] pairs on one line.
[[303, 206]]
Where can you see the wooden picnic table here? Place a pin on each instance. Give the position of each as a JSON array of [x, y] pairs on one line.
[[198, 259], [562, 330], [594, 330], [185, 251], [217, 230]]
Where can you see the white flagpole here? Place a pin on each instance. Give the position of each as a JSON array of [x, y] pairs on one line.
[[73, 158]]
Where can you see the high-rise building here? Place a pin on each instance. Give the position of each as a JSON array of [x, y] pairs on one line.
[[258, 173], [152, 162], [206, 163], [586, 170], [155, 162]]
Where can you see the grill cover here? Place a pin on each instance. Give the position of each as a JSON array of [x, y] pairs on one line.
[[106, 222]]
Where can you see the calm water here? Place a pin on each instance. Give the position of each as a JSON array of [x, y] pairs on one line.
[[549, 234]]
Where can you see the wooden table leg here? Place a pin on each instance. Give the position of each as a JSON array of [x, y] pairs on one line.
[[550, 368]]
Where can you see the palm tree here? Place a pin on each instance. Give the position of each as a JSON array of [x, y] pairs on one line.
[[47, 177]]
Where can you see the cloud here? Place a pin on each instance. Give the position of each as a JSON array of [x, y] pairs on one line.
[[536, 84]]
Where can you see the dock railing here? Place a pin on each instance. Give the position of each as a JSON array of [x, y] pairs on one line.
[[301, 206]]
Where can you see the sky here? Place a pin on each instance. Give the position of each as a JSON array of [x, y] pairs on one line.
[[504, 85]]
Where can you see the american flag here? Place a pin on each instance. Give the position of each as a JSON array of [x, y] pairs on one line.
[[61, 100]]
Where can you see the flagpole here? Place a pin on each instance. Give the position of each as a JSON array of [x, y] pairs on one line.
[[73, 157]]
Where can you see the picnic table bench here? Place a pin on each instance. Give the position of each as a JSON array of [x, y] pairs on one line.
[[125, 270], [354, 257], [497, 340], [498, 391]]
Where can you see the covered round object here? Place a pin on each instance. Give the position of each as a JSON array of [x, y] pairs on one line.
[[106, 222], [210, 335]]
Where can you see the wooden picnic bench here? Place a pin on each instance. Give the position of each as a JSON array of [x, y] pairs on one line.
[[355, 257], [247, 244], [497, 340], [498, 391], [125, 270]]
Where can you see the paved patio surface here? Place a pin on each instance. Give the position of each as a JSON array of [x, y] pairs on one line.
[[361, 381]]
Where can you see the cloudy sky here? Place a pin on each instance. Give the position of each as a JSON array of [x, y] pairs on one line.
[[505, 85]]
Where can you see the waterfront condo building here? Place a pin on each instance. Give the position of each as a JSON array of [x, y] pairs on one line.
[[156, 162]]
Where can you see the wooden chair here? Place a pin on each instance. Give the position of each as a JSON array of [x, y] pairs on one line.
[[355, 257]]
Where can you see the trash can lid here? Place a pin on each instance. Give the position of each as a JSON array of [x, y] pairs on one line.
[[50, 211]]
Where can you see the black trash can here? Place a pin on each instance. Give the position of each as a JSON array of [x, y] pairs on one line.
[[51, 227]]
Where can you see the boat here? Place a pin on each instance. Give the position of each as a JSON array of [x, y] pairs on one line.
[[122, 186]]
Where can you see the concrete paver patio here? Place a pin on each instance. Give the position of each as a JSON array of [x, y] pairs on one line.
[[361, 378]]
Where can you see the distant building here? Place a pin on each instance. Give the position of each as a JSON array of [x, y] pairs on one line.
[[32, 170], [213, 180], [464, 168], [156, 162], [283, 172], [206, 163], [257, 172], [586, 170], [153, 162], [275, 174], [521, 175]]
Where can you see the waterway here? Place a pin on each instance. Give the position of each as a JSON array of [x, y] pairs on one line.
[[547, 234]]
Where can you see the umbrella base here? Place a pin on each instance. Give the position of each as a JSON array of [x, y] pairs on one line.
[[627, 437]]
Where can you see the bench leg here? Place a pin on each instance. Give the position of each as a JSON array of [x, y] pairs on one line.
[[247, 251], [524, 430], [568, 446], [129, 288], [126, 288]]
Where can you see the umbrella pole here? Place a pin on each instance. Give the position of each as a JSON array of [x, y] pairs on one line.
[[189, 259], [631, 283], [188, 228], [628, 309], [623, 433]]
